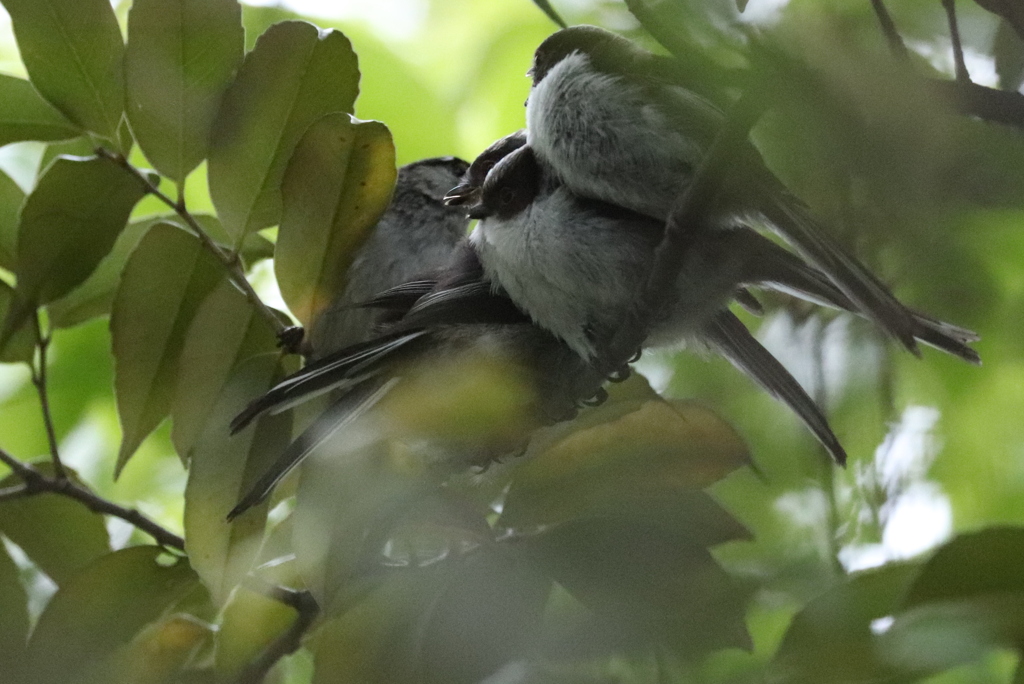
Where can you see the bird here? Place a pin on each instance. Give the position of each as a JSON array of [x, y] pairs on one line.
[[617, 123], [415, 236], [577, 266], [460, 316]]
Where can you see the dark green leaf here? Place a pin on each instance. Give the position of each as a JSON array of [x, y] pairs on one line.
[[73, 53], [223, 469], [181, 56], [166, 279], [643, 452], [944, 634], [11, 198], [102, 609], [293, 76], [14, 623], [831, 639], [95, 296], [69, 223], [26, 116], [549, 10], [77, 147], [336, 186], [978, 563], [20, 346], [645, 582], [58, 534], [226, 331]]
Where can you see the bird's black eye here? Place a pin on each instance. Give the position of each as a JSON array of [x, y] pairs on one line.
[[506, 196]]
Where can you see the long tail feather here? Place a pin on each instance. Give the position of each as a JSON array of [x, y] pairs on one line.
[[729, 337]]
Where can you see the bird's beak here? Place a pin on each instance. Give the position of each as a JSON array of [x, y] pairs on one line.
[[461, 194]]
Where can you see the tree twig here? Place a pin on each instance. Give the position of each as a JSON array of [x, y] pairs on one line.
[[37, 482], [229, 259], [39, 380], [288, 641], [998, 106], [958, 49], [688, 214], [896, 44]]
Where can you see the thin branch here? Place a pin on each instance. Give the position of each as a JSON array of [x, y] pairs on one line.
[[288, 641], [896, 44], [36, 482], [998, 106], [229, 259], [689, 212], [39, 380], [958, 49]]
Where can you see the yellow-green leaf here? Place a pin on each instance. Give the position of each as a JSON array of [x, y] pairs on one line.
[[294, 75], [250, 622], [223, 469], [180, 58], [337, 185]]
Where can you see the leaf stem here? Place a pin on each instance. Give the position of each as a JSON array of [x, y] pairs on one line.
[[36, 482], [229, 259], [39, 380]]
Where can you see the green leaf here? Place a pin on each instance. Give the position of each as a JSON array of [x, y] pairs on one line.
[[104, 608], [293, 76], [11, 198], [973, 564], [58, 534], [226, 331], [14, 624], [634, 457], [831, 639], [337, 185], [69, 223], [166, 279], [644, 582], [161, 650], [250, 622], [180, 58], [73, 53], [20, 347], [95, 296], [26, 116], [223, 469]]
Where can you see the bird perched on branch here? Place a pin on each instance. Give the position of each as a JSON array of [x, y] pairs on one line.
[[617, 123], [578, 266]]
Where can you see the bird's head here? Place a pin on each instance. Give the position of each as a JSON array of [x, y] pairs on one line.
[[595, 42]]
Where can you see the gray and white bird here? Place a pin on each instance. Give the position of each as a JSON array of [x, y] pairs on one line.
[[578, 266], [617, 123], [415, 236]]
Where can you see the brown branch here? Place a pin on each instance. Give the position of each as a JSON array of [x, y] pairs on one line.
[[288, 641], [37, 482], [896, 44], [688, 214], [39, 380], [958, 49], [998, 106], [229, 259]]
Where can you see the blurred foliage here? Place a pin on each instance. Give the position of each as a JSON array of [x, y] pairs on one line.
[[699, 537]]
